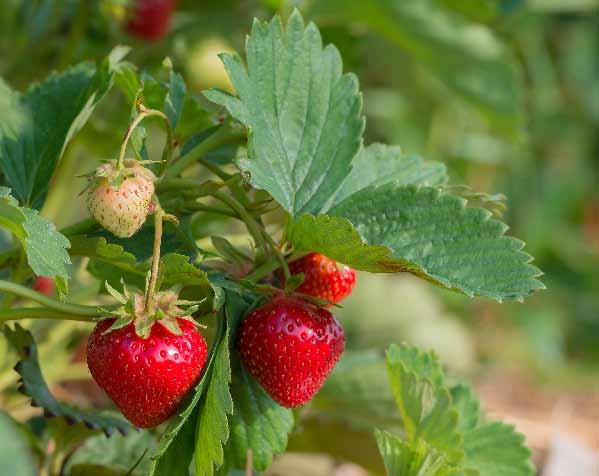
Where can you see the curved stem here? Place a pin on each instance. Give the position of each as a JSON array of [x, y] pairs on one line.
[[278, 255], [223, 135], [200, 207], [24, 292], [249, 221], [263, 270], [158, 216], [136, 122]]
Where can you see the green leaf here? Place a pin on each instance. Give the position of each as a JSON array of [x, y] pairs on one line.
[[357, 392], [258, 423], [15, 457], [118, 453], [379, 164], [424, 403], [303, 114], [175, 98], [36, 127], [496, 449], [420, 230], [467, 406], [212, 430], [176, 270], [34, 386], [403, 460], [46, 248], [468, 57]]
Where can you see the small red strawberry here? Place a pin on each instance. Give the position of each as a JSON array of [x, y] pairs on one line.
[[323, 277], [150, 19], [147, 376], [120, 200], [290, 346], [44, 285]]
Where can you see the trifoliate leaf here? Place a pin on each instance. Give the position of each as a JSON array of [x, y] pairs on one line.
[[34, 386], [303, 114], [46, 248], [394, 228]]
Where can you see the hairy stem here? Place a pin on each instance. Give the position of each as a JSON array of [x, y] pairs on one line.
[[75, 309]]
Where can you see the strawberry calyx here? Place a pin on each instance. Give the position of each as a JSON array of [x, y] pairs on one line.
[[110, 173], [165, 309]]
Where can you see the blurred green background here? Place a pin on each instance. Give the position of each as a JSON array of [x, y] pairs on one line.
[[504, 92]]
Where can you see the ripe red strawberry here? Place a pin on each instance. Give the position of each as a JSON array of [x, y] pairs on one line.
[[150, 19], [147, 378], [44, 285], [323, 277], [290, 346], [121, 200]]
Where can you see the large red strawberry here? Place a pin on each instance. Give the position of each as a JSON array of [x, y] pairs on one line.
[[150, 19], [290, 346], [44, 285], [323, 277], [147, 377], [120, 200]]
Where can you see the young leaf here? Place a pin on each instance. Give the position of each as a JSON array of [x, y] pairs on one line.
[[45, 247], [36, 127], [258, 422], [391, 228], [303, 113], [424, 403], [34, 386], [175, 98], [401, 459]]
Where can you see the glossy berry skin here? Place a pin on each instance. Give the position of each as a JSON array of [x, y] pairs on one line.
[[44, 285], [146, 378], [324, 278], [122, 209], [290, 346], [150, 19]]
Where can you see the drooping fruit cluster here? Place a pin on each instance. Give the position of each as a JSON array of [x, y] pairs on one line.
[[120, 200], [147, 361], [323, 277], [150, 19], [290, 346]]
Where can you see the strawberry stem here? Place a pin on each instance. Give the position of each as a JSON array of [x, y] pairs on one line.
[[158, 217], [145, 113], [67, 308]]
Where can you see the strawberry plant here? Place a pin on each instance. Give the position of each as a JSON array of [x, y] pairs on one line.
[[284, 157]]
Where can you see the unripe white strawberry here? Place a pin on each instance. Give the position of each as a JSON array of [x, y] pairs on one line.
[[121, 200]]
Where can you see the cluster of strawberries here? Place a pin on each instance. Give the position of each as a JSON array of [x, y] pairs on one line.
[[148, 357]]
